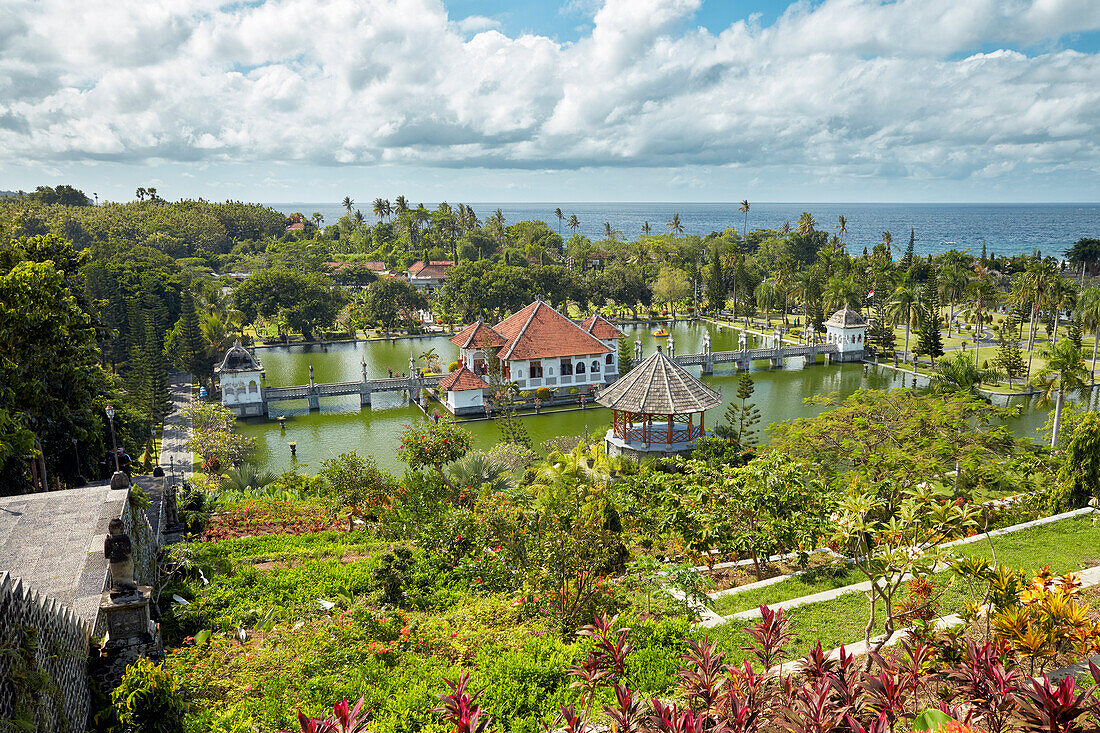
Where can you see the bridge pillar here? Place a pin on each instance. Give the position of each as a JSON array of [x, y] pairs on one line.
[[364, 397], [708, 365], [314, 401], [742, 365], [811, 358], [776, 362]]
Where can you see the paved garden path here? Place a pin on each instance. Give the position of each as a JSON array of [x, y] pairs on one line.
[[174, 456]]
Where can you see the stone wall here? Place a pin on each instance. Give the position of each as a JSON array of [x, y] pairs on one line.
[[43, 677], [145, 541]]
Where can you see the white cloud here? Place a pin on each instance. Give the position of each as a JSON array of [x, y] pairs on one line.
[[857, 88]]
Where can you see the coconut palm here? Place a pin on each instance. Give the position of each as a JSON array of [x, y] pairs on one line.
[[380, 207], [767, 297], [574, 222], [984, 293], [646, 228], [348, 203], [744, 209], [1088, 312], [560, 216], [400, 205], [786, 228], [960, 372], [1035, 281], [1065, 372], [904, 306], [674, 225], [841, 225], [953, 281], [806, 223], [888, 241]]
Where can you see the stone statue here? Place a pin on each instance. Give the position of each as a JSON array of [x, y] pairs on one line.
[[119, 553]]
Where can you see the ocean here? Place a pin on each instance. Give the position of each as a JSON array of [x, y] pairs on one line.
[[1006, 229]]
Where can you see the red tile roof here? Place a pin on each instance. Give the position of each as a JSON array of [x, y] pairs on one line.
[[432, 271], [540, 332], [475, 335], [420, 265], [462, 380], [296, 227], [601, 328]]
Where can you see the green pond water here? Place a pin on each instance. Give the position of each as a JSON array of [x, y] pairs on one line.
[[342, 425]]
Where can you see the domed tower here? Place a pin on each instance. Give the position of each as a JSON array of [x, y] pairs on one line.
[[240, 376], [848, 330]]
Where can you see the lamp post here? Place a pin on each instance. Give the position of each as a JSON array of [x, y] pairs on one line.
[[114, 445]]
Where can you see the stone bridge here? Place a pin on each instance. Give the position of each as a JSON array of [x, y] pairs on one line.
[[775, 355], [313, 392]]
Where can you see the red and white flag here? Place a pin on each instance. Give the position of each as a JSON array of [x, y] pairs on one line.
[[871, 294]]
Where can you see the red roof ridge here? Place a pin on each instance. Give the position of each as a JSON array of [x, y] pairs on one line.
[[462, 380], [522, 330], [590, 323]]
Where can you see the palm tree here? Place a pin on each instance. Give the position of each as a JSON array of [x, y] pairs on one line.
[[247, 479], [358, 218], [561, 216], [379, 208], [806, 223], [1088, 312], [786, 228], [1035, 281], [1065, 372], [477, 470], [984, 293], [953, 281], [767, 296], [841, 225], [904, 305], [574, 222], [959, 372], [646, 228], [400, 205], [318, 219], [888, 241], [348, 203], [429, 357], [674, 225], [744, 209]]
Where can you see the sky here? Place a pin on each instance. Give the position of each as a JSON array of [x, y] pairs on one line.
[[583, 100]]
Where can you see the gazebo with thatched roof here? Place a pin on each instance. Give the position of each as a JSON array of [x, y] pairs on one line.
[[654, 409]]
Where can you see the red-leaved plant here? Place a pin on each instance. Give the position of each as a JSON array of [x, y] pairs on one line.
[[461, 709], [345, 719]]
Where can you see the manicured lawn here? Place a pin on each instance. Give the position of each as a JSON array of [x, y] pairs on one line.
[[1068, 545]]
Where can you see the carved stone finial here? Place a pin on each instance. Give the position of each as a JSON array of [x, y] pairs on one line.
[[118, 550]]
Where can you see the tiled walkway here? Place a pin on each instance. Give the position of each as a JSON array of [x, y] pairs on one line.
[[54, 542]]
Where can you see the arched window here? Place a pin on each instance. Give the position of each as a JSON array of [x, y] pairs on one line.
[[519, 374], [610, 359], [580, 367], [252, 387], [595, 367]]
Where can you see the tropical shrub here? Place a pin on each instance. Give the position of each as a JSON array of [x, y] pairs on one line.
[[149, 700]]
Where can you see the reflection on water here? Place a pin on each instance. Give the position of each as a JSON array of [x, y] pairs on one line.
[[342, 425]]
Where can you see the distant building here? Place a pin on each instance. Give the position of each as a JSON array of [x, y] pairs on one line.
[[431, 275], [848, 330], [296, 227], [240, 377], [539, 347]]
